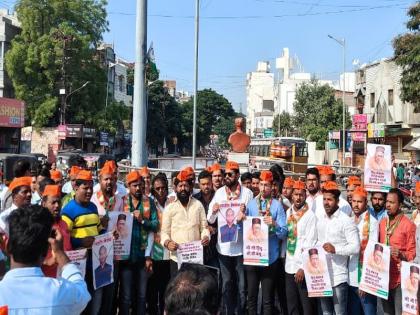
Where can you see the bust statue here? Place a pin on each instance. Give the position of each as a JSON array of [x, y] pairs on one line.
[[239, 140]]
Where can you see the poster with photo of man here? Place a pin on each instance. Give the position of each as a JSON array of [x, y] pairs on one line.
[[410, 275], [121, 225], [378, 168], [255, 248], [103, 260], [317, 277], [227, 224]]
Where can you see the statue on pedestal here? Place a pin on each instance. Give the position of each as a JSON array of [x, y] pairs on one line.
[[239, 140]]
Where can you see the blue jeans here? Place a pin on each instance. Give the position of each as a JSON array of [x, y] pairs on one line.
[[133, 279], [358, 305], [337, 303], [233, 284]]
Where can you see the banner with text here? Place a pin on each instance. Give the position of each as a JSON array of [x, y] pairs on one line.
[[378, 168], [409, 286], [317, 278], [103, 260], [121, 225], [191, 252], [255, 248]]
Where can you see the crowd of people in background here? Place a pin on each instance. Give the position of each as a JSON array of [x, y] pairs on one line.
[[52, 210]]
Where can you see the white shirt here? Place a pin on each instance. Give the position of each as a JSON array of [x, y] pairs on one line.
[[67, 188], [342, 233], [4, 226], [307, 236], [354, 259], [318, 206], [28, 291], [232, 248], [118, 206], [310, 199]]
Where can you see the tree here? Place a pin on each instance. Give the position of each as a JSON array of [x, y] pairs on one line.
[[317, 112], [285, 122], [211, 108], [223, 129], [56, 49], [111, 118], [407, 55]]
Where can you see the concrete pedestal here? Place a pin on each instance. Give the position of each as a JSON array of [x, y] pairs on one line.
[[242, 159]]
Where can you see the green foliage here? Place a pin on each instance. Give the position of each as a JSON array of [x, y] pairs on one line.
[[111, 118], [286, 125], [407, 55], [56, 33], [317, 111], [211, 108], [223, 129]]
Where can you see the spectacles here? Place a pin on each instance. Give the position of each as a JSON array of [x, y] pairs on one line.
[[230, 174]]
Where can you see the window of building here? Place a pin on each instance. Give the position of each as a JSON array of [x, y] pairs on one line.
[[372, 99], [121, 84], [390, 97]]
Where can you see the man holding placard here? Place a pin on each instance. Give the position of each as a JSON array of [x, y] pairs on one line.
[[361, 302], [263, 209], [338, 236], [302, 233], [398, 232]]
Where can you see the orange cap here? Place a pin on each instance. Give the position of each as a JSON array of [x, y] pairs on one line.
[[56, 175], [326, 170], [360, 191], [209, 169], [189, 169], [216, 167], [354, 180], [84, 175], [20, 181], [111, 164], [266, 176], [417, 186], [288, 182], [330, 185], [298, 184], [132, 177], [232, 165], [144, 171], [107, 169], [52, 190], [183, 175], [74, 170]]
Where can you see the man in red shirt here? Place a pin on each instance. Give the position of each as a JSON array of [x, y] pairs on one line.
[[51, 199], [398, 232]]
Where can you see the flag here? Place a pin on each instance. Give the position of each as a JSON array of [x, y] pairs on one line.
[[150, 61]]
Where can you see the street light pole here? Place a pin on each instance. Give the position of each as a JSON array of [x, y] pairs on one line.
[[194, 144], [342, 42], [138, 149]]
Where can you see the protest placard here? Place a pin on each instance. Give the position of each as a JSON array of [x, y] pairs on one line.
[[77, 257], [378, 168], [255, 248], [191, 252], [121, 225], [375, 270], [409, 286], [317, 278], [103, 260], [226, 219]]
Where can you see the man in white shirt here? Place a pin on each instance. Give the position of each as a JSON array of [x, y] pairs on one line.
[[230, 258], [312, 186], [339, 237], [360, 302], [302, 233], [25, 289]]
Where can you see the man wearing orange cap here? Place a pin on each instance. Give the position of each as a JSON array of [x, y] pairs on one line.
[[119, 187], [360, 302], [274, 216], [56, 176], [83, 224], [230, 253], [339, 237], [184, 220], [302, 233], [51, 199], [352, 183], [145, 173], [74, 170], [218, 176], [287, 192]]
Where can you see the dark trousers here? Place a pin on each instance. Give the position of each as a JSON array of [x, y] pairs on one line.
[[233, 282], [393, 306], [133, 285], [157, 285], [264, 275], [281, 286], [298, 302]]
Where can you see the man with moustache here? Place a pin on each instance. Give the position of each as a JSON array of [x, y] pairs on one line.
[[287, 192], [378, 201], [352, 183], [230, 254], [217, 176], [255, 183], [72, 183], [312, 186], [183, 221]]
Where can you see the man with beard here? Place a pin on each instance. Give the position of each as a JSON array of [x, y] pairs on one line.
[[352, 183], [184, 220], [119, 188], [255, 183], [246, 180], [287, 192], [72, 174], [135, 272], [205, 196], [378, 209], [312, 186], [51, 199], [217, 176], [83, 224], [302, 234], [339, 237], [398, 232], [230, 254], [360, 302]]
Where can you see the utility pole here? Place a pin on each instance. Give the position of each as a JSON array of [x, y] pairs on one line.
[[197, 29], [139, 153]]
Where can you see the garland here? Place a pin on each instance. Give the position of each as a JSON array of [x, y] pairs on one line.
[[292, 222], [235, 194]]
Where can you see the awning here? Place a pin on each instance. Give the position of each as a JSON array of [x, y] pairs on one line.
[[413, 145]]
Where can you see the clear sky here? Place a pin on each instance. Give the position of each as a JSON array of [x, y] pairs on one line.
[[236, 34]]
